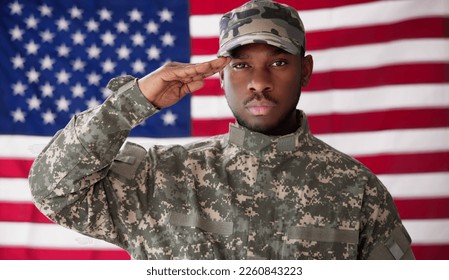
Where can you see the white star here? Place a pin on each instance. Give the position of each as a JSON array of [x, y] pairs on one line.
[[108, 66], [78, 90], [16, 33], [18, 62], [92, 103], [47, 63], [45, 10], [33, 75], [63, 77], [152, 27], [135, 15], [165, 15], [62, 24], [153, 53], [31, 22], [122, 27], [62, 104], [16, 8], [48, 117], [75, 12], [34, 103], [63, 50], [168, 39], [93, 51], [138, 66], [19, 88], [105, 14], [78, 64], [47, 90], [94, 79], [92, 25], [169, 118], [47, 36], [32, 47], [18, 115], [138, 39], [123, 52], [108, 38], [78, 38]]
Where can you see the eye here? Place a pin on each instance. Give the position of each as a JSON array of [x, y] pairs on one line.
[[240, 65], [278, 63]]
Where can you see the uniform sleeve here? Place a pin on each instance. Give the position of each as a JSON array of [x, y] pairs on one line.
[[72, 181], [382, 236]]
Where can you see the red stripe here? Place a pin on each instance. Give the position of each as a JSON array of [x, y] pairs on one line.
[[387, 75], [20, 253], [431, 252], [429, 208], [407, 163], [201, 7], [14, 168], [21, 212], [420, 73], [343, 123], [381, 120], [422, 252], [316, 40]]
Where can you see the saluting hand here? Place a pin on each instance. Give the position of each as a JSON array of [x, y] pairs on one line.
[[171, 82]]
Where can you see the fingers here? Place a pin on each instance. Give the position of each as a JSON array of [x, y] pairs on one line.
[[194, 72]]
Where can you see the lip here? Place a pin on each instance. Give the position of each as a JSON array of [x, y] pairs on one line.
[[260, 108]]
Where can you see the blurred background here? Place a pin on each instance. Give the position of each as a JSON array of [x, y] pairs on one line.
[[379, 92]]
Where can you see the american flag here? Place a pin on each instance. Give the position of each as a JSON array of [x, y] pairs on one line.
[[379, 92]]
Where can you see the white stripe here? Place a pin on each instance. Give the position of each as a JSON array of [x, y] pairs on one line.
[[343, 101], [380, 12], [390, 141], [428, 231], [55, 236], [15, 190], [47, 236], [372, 55], [417, 185]]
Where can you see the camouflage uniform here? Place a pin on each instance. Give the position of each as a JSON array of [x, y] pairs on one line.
[[241, 195]]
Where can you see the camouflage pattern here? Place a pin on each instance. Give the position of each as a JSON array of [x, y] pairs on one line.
[[241, 195], [262, 21]]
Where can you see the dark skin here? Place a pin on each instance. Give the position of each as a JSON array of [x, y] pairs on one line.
[[262, 85]]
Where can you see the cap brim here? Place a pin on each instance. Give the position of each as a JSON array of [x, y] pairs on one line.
[[263, 38]]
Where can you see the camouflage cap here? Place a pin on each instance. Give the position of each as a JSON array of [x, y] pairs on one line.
[[262, 21]]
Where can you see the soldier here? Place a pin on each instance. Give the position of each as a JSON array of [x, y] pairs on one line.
[[268, 189]]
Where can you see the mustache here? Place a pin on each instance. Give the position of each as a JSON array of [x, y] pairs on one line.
[[260, 96]]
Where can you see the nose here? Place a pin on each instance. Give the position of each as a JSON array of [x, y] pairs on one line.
[[260, 81]]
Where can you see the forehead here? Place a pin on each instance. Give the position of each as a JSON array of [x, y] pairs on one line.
[[256, 49]]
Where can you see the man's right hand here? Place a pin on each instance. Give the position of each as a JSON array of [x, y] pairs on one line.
[[171, 82]]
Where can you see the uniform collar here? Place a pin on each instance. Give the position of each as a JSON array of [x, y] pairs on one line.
[[256, 142]]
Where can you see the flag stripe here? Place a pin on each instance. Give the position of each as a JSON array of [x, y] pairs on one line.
[[21, 212], [201, 7], [27, 253], [430, 208], [407, 163]]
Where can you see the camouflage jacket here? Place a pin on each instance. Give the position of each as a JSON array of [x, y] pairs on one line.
[[241, 195]]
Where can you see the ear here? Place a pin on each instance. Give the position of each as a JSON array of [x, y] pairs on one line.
[[306, 70]]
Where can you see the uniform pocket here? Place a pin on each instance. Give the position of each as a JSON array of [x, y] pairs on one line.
[[192, 220]]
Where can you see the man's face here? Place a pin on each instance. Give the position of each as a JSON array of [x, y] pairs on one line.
[[263, 84]]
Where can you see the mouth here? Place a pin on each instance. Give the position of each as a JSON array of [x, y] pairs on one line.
[[260, 108]]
